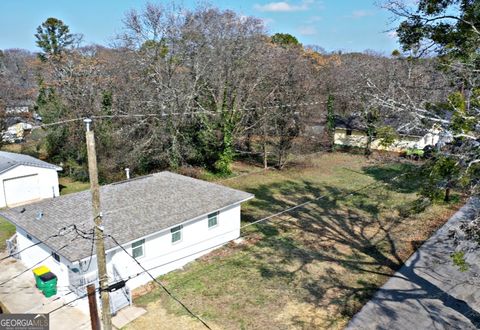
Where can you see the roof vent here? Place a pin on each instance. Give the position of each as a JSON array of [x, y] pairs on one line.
[[39, 215]]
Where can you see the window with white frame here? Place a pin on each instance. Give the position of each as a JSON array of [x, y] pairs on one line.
[[138, 249], [212, 219], [176, 233]]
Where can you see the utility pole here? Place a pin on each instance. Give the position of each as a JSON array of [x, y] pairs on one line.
[[97, 218], [92, 304]]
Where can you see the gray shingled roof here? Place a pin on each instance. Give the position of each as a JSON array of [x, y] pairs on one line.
[[10, 160], [131, 209]]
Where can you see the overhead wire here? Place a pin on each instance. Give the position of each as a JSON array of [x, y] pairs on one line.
[[167, 114], [145, 270], [161, 284], [38, 263], [58, 234], [371, 185]]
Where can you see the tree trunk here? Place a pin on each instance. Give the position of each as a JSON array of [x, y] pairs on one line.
[[447, 195], [265, 159], [265, 155], [368, 150]]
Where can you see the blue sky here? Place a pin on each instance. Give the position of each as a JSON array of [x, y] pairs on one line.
[[348, 25]]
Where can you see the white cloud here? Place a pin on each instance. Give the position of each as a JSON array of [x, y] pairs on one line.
[[361, 13], [314, 19], [307, 30], [283, 6]]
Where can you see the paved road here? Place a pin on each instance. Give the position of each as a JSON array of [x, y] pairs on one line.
[[428, 292]]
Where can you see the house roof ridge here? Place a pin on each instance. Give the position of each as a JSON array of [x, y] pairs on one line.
[[9, 160], [136, 208]]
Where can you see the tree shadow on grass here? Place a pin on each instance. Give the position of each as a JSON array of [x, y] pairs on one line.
[[408, 182], [350, 245]]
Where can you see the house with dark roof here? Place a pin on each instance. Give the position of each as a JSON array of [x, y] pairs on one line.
[[164, 221], [26, 179], [352, 132]]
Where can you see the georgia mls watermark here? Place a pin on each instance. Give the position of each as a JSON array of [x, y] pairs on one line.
[[24, 321]]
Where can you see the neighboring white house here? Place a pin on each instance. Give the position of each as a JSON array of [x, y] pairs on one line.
[[350, 133], [164, 220], [16, 132], [26, 179]]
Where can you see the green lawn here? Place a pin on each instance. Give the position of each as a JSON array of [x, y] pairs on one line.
[[68, 186], [309, 269], [6, 231]]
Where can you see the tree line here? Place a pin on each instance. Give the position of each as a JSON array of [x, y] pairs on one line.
[[200, 87]]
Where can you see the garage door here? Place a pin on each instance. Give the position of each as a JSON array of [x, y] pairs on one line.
[[21, 189]]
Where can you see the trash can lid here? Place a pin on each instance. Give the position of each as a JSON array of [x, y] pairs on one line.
[[48, 277], [41, 270]]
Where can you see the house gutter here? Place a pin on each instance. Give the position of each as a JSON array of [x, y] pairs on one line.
[[129, 242], [178, 224]]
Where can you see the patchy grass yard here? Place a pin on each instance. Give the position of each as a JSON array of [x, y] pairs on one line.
[[309, 269], [68, 186], [6, 231]]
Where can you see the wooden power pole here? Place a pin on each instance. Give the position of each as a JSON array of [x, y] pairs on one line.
[[92, 304], [97, 216]]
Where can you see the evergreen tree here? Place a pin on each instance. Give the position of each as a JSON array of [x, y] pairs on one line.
[[53, 37]]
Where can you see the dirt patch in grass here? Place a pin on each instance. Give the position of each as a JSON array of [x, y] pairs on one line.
[[314, 267]]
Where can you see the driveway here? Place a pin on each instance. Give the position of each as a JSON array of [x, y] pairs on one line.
[[428, 292], [21, 296]]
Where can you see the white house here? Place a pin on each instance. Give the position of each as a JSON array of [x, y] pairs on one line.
[[26, 179], [164, 221], [351, 133]]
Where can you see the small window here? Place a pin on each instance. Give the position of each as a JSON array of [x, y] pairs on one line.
[[29, 237], [176, 233], [56, 256], [349, 132], [137, 248], [212, 219]]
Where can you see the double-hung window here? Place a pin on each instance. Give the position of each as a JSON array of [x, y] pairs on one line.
[[138, 248], [176, 233], [212, 219]]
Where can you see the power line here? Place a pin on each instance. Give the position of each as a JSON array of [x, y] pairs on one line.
[[371, 185], [91, 254], [71, 301], [30, 268], [160, 283], [166, 114], [59, 233]]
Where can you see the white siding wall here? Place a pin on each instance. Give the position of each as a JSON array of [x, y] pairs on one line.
[[47, 180], [195, 233], [359, 139], [37, 253], [197, 240]]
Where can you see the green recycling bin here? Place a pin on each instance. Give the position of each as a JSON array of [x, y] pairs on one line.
[[49, 284], [37, 272]]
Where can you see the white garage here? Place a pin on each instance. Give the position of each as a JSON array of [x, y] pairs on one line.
[[25, 179]]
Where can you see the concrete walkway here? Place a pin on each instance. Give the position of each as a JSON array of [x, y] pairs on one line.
[[21, 296], [428, 292]]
